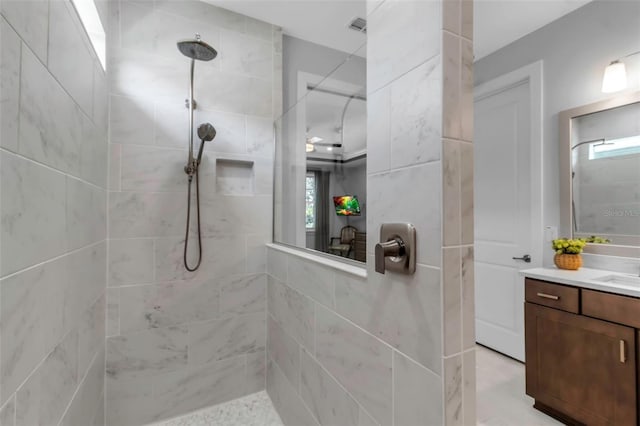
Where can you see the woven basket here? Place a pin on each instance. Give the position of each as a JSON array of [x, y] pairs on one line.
[[572, 262]]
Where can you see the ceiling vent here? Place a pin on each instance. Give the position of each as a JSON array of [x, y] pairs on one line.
[[358, 24]]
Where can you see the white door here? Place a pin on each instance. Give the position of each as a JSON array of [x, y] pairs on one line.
[[503, 218]]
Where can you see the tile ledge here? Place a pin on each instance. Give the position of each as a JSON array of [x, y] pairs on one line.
[[309, 255]]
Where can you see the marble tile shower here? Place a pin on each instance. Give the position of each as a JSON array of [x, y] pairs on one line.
[[53, 246], [180, 341], [99, 321]]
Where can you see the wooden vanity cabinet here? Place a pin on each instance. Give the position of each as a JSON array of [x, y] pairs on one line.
[[579, 369]]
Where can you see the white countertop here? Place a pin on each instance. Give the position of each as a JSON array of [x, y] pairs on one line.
[[585, 278]]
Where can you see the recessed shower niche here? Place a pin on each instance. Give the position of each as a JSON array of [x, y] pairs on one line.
[[235, 177]]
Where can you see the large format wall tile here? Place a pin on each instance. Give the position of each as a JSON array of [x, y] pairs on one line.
[[284, 351], [86, 214], [146, 353], [374, 305], [31, 320], [358, 360], [91, 335], [418, 397], [53, 136], [43, 398], [199, 387], [54, 168], [129, 402], [292, 311], [130, 261], [69, 55], [256, 373], [424, 212], [415, 116], [243, 294], [167, 304], [219, 339], [286, 400], [311, 279], [401, 36], [33, 213], [131, 120], [9, 86], [245, 55], [223, 256], [87, 400], [328, 401], [8, 413], [30, 19], [86, 279]]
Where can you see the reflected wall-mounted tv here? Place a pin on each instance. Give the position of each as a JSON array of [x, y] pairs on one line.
[[347, 205]]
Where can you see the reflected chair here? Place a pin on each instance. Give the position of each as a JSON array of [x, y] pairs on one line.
[[343, 245]]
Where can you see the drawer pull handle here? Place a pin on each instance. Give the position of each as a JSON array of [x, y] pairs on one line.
[[548, 296], [623, 352]]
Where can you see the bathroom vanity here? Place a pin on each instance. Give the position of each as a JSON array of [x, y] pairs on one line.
[[582, 342]]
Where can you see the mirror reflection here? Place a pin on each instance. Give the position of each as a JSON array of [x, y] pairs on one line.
[[321, 158], [605, 158]]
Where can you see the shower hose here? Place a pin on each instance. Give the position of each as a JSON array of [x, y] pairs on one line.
[[186, 237]]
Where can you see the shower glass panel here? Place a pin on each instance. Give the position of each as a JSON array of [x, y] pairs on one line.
[[321, 151]]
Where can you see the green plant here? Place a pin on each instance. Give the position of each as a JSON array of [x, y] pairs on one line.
[[568, 246], [596, 240]]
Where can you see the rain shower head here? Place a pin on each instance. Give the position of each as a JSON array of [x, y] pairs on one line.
[[206, 132], [197, 49]]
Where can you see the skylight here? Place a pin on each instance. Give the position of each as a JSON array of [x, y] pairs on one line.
[[93, 26]]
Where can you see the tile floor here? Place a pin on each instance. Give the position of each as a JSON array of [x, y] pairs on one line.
[[501, 399], [252, 410]]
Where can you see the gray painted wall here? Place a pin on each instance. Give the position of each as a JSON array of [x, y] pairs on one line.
[[575, 49], [53, 161]]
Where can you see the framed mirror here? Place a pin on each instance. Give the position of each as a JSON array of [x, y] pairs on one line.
[[320, 197], [600, 174]]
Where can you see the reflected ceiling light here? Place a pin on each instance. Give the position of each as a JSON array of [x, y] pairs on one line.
[[329, 148], [615, 75], [314, 139]]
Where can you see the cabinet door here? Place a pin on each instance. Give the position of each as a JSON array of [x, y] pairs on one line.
[[582, 367]]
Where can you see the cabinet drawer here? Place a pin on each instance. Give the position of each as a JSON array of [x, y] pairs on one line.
[[552, 295], [611, 307]]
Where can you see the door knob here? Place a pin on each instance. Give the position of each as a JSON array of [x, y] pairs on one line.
[[391, 248], [526, 258]]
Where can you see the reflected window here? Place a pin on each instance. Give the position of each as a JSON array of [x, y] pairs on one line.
[[310, 202], [615, 148]]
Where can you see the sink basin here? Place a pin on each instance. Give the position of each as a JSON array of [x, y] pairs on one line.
[[619, 279]]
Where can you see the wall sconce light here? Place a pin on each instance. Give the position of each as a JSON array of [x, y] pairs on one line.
[[309, 147], [615, 75]]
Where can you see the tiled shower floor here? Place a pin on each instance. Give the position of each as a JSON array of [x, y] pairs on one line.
[[252, 410]]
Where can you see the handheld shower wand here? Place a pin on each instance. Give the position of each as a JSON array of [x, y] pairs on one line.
[[206, 133]]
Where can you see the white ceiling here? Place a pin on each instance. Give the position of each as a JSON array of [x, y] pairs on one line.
[[324, 120], [319, 21], [497, 22]]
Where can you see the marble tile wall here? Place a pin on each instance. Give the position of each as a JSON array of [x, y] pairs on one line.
[[180, 341], [393, 349], [53, 250]]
